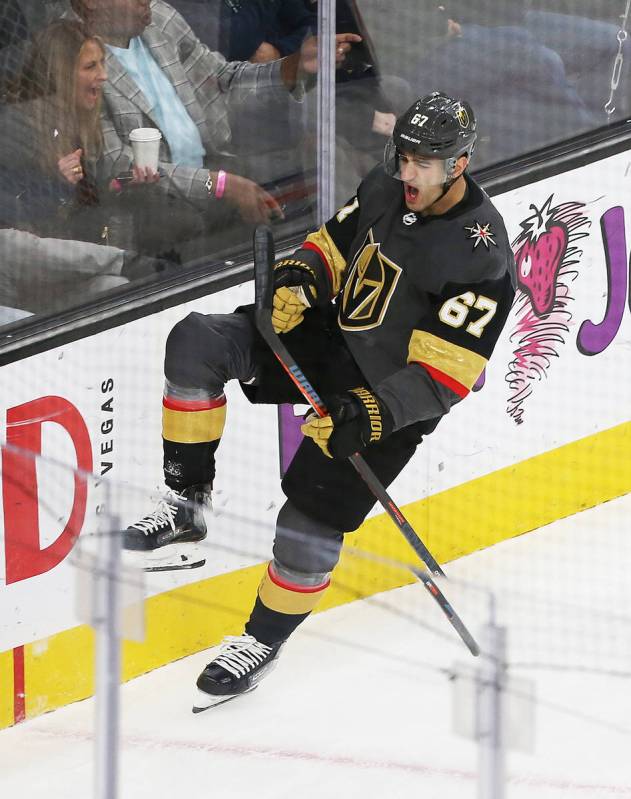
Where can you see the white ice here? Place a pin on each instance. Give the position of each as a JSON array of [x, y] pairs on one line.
[[360, 704]]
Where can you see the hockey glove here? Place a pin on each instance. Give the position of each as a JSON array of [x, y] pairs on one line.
[[356, 418], [295, 290]]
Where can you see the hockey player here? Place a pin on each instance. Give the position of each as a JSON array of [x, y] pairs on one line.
[[392, 309]]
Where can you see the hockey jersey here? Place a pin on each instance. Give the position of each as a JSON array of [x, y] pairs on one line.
[[421, 300]]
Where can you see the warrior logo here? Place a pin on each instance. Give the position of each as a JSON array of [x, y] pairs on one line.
[[369, 288], [547, 261]]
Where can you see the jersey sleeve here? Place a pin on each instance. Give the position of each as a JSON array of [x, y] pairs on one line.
[[448, 350], [327, 249]]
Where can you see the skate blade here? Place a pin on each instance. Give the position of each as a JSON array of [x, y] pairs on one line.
[[172, 558], [206, 701]]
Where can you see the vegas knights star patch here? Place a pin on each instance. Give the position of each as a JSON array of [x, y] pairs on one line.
[[481, 234]]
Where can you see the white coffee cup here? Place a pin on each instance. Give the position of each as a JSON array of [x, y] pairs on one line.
[[145, 143]]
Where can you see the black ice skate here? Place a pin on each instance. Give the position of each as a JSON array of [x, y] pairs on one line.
[[168, 538], [238, 668]]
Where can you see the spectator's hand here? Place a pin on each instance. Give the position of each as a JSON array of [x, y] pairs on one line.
[[70, 167], [265, 52], [383, 123], [454, 29], [143, 175], [309, 51], [137, 176], [254, 203]]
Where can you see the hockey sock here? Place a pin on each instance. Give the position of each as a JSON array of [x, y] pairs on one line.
[[191, 430], [281, 605]]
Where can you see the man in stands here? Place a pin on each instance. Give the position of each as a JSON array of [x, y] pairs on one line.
[[162, 76]]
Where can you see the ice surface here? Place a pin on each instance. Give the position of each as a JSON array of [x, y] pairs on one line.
[[360, 703]]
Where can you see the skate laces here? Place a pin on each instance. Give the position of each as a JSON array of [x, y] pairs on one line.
[[241, 653], [164, 513]]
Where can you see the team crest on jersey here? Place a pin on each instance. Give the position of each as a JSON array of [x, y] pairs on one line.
[[409, 219], [481, 234], [371, 283]]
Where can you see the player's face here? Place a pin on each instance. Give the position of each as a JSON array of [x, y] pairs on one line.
[[423, 180]]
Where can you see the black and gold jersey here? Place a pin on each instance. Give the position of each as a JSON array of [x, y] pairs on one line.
[[421, 299]]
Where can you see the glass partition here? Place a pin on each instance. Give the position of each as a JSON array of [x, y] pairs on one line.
[[139, 139], [234, 136], [536, 73]]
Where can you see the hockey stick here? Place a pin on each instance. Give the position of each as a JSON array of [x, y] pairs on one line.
[[263, 291]]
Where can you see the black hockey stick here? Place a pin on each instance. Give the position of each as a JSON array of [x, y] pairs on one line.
[[263, 290]]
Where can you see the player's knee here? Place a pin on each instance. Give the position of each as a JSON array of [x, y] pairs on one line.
[[189, 349], [305, 545]]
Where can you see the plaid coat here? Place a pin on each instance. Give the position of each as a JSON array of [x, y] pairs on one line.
[[205, 82]]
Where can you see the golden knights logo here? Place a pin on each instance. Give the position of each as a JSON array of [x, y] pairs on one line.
[[463, 116], [370, 285]]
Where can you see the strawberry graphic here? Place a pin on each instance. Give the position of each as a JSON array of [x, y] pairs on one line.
[[547, 259], [541, 248]]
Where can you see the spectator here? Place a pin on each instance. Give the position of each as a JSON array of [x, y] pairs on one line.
[[533, 104], [51, 133], [582, 32], [49, 182], [289, 22], [367, 103], [261, 31], [264, 30], [585, 35], [161, 75], [249, 30], [52, 137]]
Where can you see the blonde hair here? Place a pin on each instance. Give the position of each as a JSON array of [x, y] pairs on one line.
[[51, 77]]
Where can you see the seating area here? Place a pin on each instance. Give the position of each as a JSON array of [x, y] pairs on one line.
[[228, 90]]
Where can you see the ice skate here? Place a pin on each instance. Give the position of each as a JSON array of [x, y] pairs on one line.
[[169, 537], [238, 668]]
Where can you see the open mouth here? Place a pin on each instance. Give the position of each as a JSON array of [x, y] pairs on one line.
[[411, 194]]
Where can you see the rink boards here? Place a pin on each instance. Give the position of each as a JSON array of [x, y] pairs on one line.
[[546, 435]]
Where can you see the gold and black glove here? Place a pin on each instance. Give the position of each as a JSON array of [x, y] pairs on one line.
[[295, 290], [356, 419]]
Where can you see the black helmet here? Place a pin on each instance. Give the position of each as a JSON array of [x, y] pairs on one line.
[[436, 126]]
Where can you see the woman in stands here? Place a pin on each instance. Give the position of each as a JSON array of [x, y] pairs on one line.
[[49, 178], [52, 134], [53, 140]]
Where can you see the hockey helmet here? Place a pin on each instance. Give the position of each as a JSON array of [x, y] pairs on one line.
[[436, 126]]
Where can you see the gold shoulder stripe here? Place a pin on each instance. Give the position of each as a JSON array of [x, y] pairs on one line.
[[333, 257], [458, 363]]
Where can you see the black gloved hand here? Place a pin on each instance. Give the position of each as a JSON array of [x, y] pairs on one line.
[[356, 419], [295, 290], [295, 273]]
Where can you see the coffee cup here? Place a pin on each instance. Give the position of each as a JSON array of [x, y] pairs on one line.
[[145, 144]]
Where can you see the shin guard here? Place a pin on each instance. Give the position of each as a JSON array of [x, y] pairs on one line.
[[283, 603], [191, 430]]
